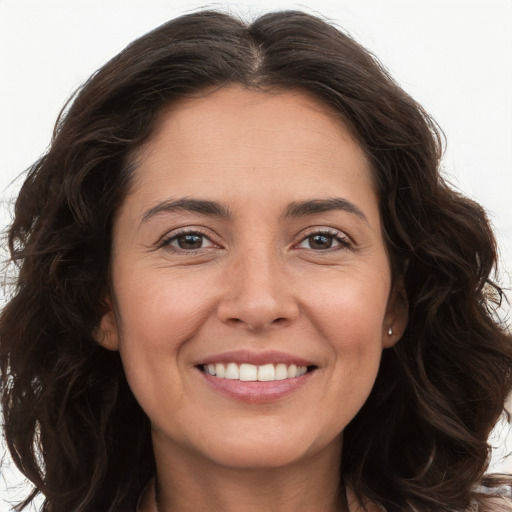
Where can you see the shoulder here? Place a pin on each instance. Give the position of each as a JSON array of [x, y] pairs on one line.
[[494, 503], [147, 498], [354, 505], [487, 499], [494, 495]]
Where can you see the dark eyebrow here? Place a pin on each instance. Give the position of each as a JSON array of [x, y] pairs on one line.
[[295, 209], [201, 206], [299, 209]]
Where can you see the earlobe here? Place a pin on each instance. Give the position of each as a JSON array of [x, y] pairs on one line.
[[106, 334], [397, 316]]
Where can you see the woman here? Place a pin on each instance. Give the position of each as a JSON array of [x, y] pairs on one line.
[[243, 284]]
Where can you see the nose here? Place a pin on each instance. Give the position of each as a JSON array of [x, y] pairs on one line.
[[258, 294]]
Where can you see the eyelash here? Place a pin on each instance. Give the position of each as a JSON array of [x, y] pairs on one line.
[[166, 241], [343, 240], [338, 236]]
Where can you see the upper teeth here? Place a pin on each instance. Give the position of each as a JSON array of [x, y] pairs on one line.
[[251, 372]]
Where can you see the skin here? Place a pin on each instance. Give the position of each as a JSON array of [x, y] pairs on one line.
[[257, 281]]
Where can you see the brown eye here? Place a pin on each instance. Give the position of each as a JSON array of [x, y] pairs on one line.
[[190, 241], [323, 241], [320, 241]]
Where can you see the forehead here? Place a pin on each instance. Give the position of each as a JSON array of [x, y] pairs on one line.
[[234, 141]]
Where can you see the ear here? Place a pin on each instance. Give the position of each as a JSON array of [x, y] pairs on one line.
[[106, 334], [397, 315]]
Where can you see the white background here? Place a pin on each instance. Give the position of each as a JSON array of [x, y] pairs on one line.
[[453, 56]]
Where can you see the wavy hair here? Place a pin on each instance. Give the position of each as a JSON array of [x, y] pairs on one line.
[[71, 422]]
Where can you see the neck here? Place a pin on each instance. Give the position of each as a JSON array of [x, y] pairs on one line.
[[187, 483]]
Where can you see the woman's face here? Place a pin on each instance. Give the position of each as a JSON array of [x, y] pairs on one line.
[[250, 247]]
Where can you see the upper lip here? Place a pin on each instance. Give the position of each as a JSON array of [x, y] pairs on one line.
[[255, 358]]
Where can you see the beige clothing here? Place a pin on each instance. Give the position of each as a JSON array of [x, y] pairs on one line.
[[147, 502]]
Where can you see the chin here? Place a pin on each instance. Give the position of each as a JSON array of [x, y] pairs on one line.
[[265, 448], [256, 457]]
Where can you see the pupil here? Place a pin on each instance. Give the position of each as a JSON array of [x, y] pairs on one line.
[[190, 241], [320, 242]]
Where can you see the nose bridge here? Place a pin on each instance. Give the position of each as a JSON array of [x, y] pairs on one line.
[[257, 292], [260, 272]]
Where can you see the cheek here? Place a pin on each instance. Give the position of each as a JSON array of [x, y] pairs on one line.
[[350, 311], [349, 315], [156, 318], [161, 311]]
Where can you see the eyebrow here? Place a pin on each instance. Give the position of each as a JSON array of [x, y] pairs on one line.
[[213, 208], [201, 206], [311, 207]]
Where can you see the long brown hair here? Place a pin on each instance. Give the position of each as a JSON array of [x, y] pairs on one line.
[[71, 422]]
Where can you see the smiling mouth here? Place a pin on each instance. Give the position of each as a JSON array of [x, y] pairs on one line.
[[255, 373]]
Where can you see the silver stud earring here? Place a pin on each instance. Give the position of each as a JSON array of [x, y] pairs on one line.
[[390, 331]]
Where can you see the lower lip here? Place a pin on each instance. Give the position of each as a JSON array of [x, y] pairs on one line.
[[256, 392]]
